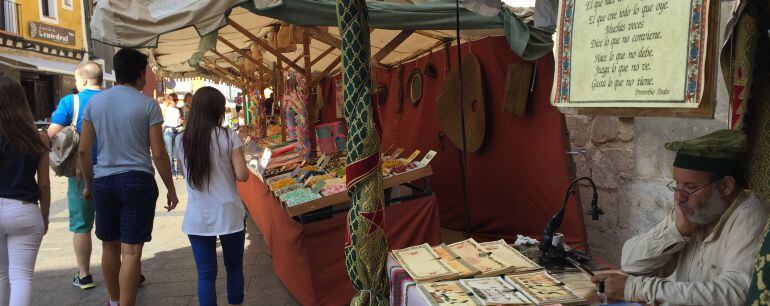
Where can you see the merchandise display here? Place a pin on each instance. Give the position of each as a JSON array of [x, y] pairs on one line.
[[446, 293], [463, 259], [423, 264], [543, 289], [478, 257], [456, 262], [494, 291], [511, 257], [305, 185]]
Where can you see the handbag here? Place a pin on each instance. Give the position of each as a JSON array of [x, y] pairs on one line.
[[64, 147]]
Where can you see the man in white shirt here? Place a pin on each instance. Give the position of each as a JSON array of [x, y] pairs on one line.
[[702, 253]]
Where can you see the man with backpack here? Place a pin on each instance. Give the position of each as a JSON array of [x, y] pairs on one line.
[[88, 80]]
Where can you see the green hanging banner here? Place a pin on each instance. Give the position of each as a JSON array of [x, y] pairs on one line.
[[365, 246]]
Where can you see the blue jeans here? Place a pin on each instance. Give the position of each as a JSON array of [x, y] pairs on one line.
[[168, 139], [205, 253]]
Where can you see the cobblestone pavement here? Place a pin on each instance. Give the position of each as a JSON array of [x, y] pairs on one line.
[[167, 262]]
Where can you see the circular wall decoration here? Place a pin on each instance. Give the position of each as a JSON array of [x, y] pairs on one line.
[[415, 86]]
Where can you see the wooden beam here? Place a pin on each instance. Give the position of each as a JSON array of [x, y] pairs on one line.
[[245, 55], [223, 74], [262, 43], [419, 53], [324, 37], [322, 55], [431, 35], [326, 71], [392, 45], [231, 62], [223, 70], [296, 60]]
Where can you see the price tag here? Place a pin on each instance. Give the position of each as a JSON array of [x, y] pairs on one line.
[[296, 171], [396, 153], [324, 162], [413, 156], [318, 186], [428, 157], [320, 160], [265, 158]]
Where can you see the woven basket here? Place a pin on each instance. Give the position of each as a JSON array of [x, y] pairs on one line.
[[473, 105]]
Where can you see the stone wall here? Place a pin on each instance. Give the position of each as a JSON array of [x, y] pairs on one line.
[[626, 159]]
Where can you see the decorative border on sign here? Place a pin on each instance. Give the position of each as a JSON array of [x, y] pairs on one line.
[[695, 58], [697, 43], [565, 51]]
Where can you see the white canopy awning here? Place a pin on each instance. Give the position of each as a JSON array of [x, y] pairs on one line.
[[173, 29], [22, 62]]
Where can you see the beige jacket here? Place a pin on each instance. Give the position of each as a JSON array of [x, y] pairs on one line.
[[672, 269]]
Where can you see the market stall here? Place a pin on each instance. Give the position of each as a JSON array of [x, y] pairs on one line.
[[516, 138]]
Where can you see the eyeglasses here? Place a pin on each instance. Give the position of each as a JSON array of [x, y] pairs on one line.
[[673, 187]]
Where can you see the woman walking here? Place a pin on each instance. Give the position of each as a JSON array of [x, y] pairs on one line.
[[212, 160], [172, 123], [23, 154]]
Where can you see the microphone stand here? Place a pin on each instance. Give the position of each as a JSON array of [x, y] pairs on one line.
[[556, 253]]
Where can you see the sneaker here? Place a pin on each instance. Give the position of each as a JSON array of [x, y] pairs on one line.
[[141, 279], [86, 282]]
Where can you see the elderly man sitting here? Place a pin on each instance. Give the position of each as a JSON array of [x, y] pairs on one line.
[[702, 253]]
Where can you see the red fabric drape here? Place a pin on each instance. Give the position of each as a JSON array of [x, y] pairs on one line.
[[309, 258], [517, 180]]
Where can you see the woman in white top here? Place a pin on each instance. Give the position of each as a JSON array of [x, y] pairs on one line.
[[171, 123], [212, 161]]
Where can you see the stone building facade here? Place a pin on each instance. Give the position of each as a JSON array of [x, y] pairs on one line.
[[626, 159]]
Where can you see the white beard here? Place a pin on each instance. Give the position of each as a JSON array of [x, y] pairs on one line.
[[710, 212]]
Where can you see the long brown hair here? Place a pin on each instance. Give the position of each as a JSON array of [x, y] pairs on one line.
[[17, 127], [206, 114]]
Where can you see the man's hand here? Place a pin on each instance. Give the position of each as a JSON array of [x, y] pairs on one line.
[[172, 201], [87, 193], [614, 284], [685, 227]]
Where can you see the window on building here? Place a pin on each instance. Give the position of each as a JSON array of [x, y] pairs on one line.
[[48, 10], [67, 4]]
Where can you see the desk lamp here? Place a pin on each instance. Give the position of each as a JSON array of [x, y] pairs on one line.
[[552, 246]]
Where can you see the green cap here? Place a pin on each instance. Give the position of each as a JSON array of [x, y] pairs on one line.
[[718, 152]]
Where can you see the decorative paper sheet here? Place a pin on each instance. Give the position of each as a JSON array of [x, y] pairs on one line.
[[542, 288], [446, 293], [631, 53], [455, 261], [481, 259], [423, 264], [511, 256], [494, 291]]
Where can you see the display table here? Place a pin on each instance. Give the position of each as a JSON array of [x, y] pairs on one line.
[[309, 258], [404, 291]]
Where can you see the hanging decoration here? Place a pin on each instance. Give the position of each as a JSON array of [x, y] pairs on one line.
[[415, 86], [294, 104], [365, 246], [472, 100]]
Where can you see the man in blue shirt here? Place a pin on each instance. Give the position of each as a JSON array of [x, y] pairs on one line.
[[129, 126], [88, 80]]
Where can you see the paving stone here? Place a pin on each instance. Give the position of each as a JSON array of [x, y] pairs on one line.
[[167, 262]]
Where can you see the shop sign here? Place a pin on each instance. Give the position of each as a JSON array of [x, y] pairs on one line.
[[51, 33]]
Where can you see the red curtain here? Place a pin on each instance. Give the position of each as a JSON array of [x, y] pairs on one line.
[[516, 182]]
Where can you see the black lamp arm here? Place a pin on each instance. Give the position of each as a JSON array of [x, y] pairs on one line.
[[555, 222]]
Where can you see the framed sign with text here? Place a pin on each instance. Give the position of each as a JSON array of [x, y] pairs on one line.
[[51, 33], [634, 54]]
